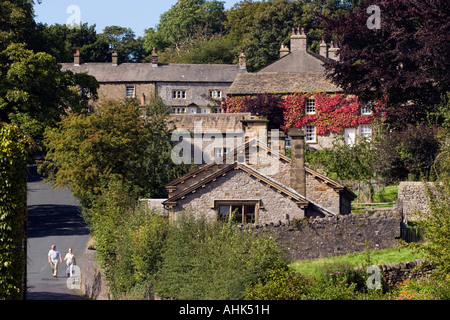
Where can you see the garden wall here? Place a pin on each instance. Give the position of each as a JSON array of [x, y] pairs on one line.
[[333, 236], [412, 198], [93, 284]]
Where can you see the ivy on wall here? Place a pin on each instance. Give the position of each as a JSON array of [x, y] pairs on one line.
[[333, 112], [13, 205]]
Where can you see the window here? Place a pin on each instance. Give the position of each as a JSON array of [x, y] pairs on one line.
[[206, 110], [288, 142], [365, 131], [218, 110], [179, 94], [130, 92], [366, 108], [241, 213], [192, 109], [178, 110], [310, 133], [310, 106], [349, 136], [215, 94]]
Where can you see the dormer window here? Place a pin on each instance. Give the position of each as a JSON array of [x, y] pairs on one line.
[[215, 94], [310, 106]]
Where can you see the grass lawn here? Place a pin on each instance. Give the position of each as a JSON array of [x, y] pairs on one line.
[[391, 255]]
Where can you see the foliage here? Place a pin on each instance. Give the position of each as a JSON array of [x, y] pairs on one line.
[[402, 62], [406, 154], [128, 240], [86, 149], [13, 200], [210, 260], [34, 92], [279, 283], [334, 112], [185, 21], [436, 227]]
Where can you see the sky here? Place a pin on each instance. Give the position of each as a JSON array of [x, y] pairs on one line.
[[135, 14]]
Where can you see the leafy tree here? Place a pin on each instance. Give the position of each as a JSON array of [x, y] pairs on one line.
[[34, 92], [404, 61], [185, 21], [16, 22], [86, 151], [129, 48]]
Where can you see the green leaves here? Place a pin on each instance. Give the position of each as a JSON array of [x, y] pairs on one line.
[[13, 199]]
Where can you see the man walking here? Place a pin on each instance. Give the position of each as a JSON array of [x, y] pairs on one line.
[[53, 257]]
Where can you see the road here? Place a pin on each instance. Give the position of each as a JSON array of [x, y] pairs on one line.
[[53, 218]]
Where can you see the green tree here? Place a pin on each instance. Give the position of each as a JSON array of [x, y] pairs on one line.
[[184, 22], [87, 150], [34, 92], [129, 48]]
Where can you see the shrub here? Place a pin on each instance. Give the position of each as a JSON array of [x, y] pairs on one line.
[[13, 199], [209, 260]]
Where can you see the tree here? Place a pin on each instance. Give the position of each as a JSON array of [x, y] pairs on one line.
[[34, 92], [129, 48], [86, 151], [404, 62], [184, 22]]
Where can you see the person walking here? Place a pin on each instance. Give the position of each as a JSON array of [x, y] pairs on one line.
[[70, 261], [53, 257]]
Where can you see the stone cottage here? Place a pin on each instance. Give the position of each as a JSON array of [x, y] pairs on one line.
[[257, 184], [301, 71], [185, 88]]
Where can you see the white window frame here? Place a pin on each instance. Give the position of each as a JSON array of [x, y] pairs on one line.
[[178, 94], [220, 152], [310, 106], [215, 94], [365, 131], [310, 134], [366, 108], [130, 89]]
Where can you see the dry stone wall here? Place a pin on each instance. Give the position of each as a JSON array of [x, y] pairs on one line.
[[333, 236], [413, 198]]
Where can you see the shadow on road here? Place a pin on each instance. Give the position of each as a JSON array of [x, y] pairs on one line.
[[55, 220]]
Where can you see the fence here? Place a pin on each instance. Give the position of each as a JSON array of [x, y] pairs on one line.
[[376, 206], [410, 234]]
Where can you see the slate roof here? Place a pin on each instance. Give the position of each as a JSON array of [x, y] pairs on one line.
[[144, 72], [274, 82], [220, 122]]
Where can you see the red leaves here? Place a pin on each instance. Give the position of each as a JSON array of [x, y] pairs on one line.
[[333, 112]]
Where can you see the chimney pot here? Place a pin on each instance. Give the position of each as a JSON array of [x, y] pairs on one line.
[[77, 58], [298, 41], [298, 172], [242, 61], [284, 51], [154, 58], [115, 58], [333, 52], [323, 48]]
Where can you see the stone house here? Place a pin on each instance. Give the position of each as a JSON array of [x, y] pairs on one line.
[[301, 71], [186, 88], [258, 184]]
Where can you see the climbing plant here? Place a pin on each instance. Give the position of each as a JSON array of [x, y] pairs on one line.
[[13, 197], [334, 112]]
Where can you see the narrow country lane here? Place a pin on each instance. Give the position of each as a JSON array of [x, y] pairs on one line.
[[53, 218]]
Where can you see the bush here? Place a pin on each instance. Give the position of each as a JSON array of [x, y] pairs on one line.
[[204, 260], [13, 207]]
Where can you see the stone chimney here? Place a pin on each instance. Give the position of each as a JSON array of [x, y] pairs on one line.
[[115, 58], [333, 52], [242, 61], [323, 49], [298, 40], [77, 58], [284, 50], [154, 58], [298, 173]]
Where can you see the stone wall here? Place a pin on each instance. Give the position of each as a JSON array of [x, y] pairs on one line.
[[337, 235], [394, 274], [412, 198], [93, 284]]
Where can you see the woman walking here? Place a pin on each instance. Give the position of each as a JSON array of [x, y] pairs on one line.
[[70, 261]]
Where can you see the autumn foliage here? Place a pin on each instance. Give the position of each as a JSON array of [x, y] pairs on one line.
[[333, 112]]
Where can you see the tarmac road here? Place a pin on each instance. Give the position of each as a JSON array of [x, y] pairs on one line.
[[53, 218]]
